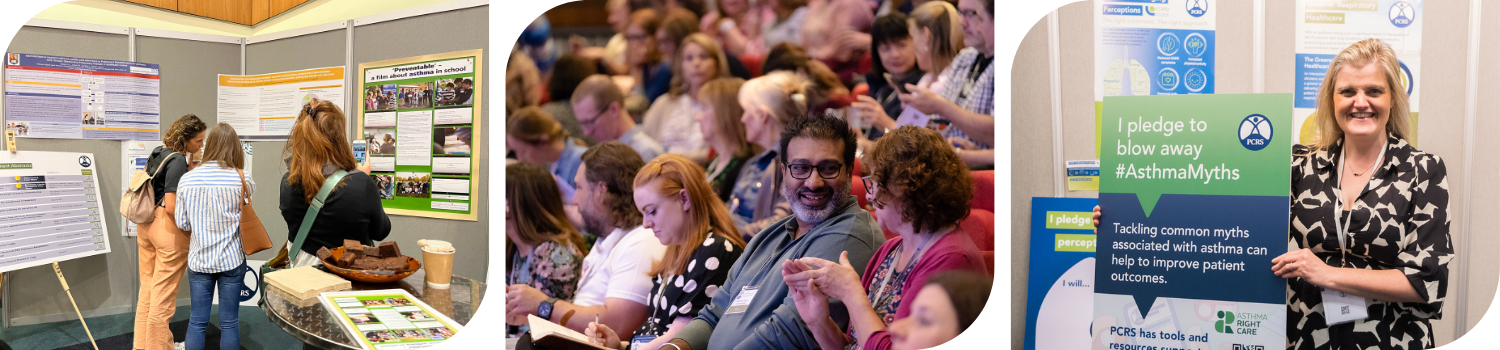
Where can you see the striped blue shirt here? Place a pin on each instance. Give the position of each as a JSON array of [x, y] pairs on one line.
[[208, 205]]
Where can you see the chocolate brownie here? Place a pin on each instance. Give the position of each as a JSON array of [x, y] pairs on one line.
[[389, 250], [325, 255]]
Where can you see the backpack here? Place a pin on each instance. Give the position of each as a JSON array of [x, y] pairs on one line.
[[139, 203]]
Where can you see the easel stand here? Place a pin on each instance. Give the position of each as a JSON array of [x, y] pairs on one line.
[[75, 304]]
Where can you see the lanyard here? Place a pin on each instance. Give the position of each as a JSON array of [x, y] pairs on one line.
[[980, 64], [1343, 225], [906, 272]]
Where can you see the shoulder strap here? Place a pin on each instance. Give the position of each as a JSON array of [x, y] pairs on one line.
[[312, 213], [244, 186], [162, 165]]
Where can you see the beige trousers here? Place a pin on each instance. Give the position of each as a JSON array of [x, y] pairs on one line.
[[163, 258]]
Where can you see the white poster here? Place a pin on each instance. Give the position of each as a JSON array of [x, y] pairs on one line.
[[49, 209], [264, 107], [414, 138], [133, 156], [1325, 27]]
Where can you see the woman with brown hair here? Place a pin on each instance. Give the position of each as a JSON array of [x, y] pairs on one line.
[[545, 250], [316, 149], [670, 119], [539, 139], [210, 198], [921, 190], [163, 248], [652, 75], [941, 310], [719, 120], [676, 202]]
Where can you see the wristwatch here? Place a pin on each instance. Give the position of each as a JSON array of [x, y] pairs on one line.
[[544, 310]]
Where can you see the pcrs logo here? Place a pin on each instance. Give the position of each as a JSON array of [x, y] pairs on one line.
[[84, 161], [1255, 134], [1402, 14], [1197, 8]]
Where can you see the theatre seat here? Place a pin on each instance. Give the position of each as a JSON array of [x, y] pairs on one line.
[[989, 261], [984, 190], [980, 225]]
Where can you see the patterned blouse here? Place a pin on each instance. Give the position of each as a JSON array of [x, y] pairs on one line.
[[1399, 222], [891, 283], [551, 268], [684, 295]]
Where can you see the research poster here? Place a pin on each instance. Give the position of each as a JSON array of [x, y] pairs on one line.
[[81, 98], [389, 319], [49, 209], [1060, 281], [420, 119], [1326, 27], [1194, 199], [1152, 47], [263, 107]]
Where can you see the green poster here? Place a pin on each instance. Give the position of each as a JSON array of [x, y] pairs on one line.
[[420, 118]]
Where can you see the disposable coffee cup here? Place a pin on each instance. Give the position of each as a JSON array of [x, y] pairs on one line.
[[438, 267]]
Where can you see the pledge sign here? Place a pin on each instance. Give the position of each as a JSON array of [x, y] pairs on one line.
[[1194, 190]]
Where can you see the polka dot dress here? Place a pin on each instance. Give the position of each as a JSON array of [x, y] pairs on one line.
[[684, 295]]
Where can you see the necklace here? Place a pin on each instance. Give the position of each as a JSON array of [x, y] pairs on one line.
[[1372, 166]]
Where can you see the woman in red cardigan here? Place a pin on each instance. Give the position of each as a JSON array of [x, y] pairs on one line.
[[922, 190]]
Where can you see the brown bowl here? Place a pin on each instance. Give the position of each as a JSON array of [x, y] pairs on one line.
[[371, 276]]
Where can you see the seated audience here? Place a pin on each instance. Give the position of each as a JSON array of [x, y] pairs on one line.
[[568, 72], [601, 110], [827, 222], [719, 120], [941, 310], [650, 71], [786, 20], [837, 33], [673, 196], [894, 55], [544, 249], [825, 93], [538, 139], [615, 284], [770, 102], [737, 24], [968, 97], [920, 190], [680, 23], [670, 119], [936, 33]]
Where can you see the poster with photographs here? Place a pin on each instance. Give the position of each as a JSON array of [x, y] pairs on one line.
[[420, 117], [389, 319]]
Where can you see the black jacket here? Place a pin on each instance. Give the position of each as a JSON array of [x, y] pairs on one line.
[[351, 211]]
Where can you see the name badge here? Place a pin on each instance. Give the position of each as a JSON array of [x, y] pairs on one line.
[[742, 301], [640, 341], [1340, 307]]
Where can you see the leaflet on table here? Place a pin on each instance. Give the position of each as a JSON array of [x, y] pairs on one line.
[[264, 106], [1152, 47], [389, 319], [1193, 191], [81, 98], [421, 124], [1324, 28], [1060, 284], [49, 209], [133, 156]]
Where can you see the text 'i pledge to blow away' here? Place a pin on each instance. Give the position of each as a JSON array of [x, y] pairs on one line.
[[1166, 128]]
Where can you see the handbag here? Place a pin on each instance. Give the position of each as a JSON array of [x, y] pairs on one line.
[[284, 259], [139, 202], [253, 236]]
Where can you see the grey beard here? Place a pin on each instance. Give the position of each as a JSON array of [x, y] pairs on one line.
[[816, 215]]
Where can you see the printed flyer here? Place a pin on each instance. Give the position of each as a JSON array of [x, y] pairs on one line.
[[1194, 198], [1325, 27], [133, 156], [420, 119], [82, 98], [1152, 47], [263, 107], [389, 319], [1060, 281], [49, 208]]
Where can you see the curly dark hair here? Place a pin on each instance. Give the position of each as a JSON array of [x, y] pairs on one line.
[[182, 130], [915, 166], [615, 165]]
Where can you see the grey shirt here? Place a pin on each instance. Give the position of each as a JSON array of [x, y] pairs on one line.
[[771, 321], [643, 144]]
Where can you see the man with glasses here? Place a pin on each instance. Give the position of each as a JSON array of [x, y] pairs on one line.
[[754, 309], [599, 106]]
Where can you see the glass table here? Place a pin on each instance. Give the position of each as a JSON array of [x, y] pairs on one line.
[[314, 325]]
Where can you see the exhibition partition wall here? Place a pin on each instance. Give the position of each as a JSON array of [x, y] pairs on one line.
[[1052, 120], [190, 63]]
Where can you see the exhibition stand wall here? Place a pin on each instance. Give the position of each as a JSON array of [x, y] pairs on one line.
[[1052, 120], [190, 63]]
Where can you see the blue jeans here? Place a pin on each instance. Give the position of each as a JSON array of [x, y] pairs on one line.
[[203, 284]]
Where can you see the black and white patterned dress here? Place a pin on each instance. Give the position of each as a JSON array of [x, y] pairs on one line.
[[1399, 222], [684, 295]]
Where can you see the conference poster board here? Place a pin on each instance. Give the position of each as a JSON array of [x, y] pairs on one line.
[[1326, 27], [1194, 199], [135, 153], [1152, 47], [60, 97], [1060, 277], [264, 107], [49, 209], [420, 118]]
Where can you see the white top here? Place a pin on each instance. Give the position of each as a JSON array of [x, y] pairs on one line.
[[670, 122], [616, 268]]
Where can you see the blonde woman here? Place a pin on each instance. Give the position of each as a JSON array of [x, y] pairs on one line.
[[208, 205], [937, 32], [770, 103], [670, 119]]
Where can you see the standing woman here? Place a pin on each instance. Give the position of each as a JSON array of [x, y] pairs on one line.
[[1370, 216], [719, 120], [163, 247], [676, 203], [921, 190], [670, 119], [211, 195], [318, 148]]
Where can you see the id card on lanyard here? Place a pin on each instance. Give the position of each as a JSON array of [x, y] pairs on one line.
[[1340, 307]]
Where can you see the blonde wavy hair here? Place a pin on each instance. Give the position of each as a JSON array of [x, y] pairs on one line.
[[1368, 51]]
